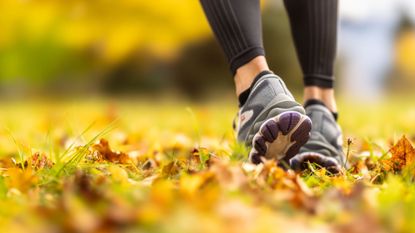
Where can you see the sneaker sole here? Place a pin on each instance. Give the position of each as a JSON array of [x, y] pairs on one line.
[[280, 137], [299, 162]]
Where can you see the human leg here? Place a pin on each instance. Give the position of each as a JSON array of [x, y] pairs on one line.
[[314, 30], [271, 122]]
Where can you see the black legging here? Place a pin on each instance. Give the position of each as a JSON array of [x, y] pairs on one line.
[[237, 26]]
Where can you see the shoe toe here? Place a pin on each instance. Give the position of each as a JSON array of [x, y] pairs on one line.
[[299, 162], [255, 157]]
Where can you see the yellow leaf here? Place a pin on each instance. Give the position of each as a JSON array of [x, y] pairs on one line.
[[20, 179], [118, 174]]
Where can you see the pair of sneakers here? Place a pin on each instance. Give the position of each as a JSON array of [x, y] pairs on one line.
[[275, 126]]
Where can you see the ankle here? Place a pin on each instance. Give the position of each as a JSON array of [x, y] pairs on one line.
[[325, 95], [246, 74]]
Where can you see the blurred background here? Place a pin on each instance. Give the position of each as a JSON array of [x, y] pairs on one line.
[[165, 47]]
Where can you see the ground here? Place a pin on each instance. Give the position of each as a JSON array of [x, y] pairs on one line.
[[171, 166]]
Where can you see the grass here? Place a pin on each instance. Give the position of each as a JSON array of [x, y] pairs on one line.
[[175, 167]]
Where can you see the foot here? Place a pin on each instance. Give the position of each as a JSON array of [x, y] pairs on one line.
[[271, 122], [325, 144]]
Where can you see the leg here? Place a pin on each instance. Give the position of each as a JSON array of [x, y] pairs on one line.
[[245, 74], [271, 122], [314, 29], [237, 26]]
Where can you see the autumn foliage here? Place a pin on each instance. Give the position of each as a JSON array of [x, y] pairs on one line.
[[147, 174]]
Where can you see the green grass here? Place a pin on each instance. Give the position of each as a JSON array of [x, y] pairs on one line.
[[186, 172]]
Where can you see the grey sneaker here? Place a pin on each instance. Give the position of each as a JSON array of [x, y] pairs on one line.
[[325, 144], [271, 122]]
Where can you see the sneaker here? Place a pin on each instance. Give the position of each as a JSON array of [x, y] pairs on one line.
[[325, 144], [271, 122]]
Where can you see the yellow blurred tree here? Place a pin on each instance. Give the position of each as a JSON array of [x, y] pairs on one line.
[[112, 29], [405, 53]]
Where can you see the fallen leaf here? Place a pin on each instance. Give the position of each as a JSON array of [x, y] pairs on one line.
[[403, 155], [170, 169], [118, 174], [21, 179], [39, 161], [102, 151]]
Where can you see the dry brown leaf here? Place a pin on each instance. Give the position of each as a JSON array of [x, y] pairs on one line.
[[170, 169], [201, 156], [39, 161], [287, 185], [84, 185], [403, 155], [102, 151]]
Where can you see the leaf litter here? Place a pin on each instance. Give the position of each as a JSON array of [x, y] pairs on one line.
[[188, 186]]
